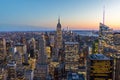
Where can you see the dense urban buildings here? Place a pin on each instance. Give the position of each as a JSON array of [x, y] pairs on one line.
[[99, 67], [58, 39], [60, 55], [71, 50]]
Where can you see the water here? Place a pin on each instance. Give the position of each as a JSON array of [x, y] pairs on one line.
[[87, 33]]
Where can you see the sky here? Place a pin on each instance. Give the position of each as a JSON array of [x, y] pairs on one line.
[[16, 15]]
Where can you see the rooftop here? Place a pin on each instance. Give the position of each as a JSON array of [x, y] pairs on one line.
[[19, 44], [71, 43], [99, 57], [74, 76]]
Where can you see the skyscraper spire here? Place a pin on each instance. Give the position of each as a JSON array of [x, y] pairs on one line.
[[59, 19], [103, 14]]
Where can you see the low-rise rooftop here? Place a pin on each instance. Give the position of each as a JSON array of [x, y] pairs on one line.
[[99, 57], [71, 43]]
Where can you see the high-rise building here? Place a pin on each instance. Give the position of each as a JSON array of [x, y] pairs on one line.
[[23, 40], [105, 38], [20, 48], [32, 43], [2, 49], [41, 70], [95, 47], [99, 67], [58, 38], [52, 40], [71, 56], [29, 74], [8, 46], [11, 70], [18, 58], [117, 67], [32, 47], [3, 74], [116, 40]]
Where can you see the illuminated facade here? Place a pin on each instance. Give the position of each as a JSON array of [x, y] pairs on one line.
[[99, 67], [52, 40], [11, 70], [29, 74], [116, 40], [58, 38], [48, 52], [18, 59], [95, 47], [20, 48], [3, 74], [117, 67], [2, 49], [20, 52], [32, 43], [105, 38], [41, 69], [71, 55], [32, 48]]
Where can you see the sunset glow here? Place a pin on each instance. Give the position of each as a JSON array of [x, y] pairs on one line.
[[76, 14]]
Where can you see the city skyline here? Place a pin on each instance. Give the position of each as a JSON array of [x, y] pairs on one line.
[[43, 14]]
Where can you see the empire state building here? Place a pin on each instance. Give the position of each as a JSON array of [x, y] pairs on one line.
[[58, 44]]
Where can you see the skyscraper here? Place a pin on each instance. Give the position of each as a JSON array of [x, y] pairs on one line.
[[99, 67], [2, 49], [41, 66], [58, 37], [71, 56]]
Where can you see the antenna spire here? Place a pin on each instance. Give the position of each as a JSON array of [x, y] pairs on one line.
[[104, 15], [59, 19]]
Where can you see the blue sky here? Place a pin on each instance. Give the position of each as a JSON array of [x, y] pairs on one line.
[[43, 14]]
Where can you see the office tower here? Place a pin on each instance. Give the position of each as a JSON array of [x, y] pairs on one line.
[[58, 38], [18, 58], [41, 70], [105, 39], [47, 39], [95, 47], [8, 46], [11, 67], [2, 49], [29, 74], [89, 49], [48, 52], [23, 40], [99, 67], [71, 56], [116, 40], [32, 63], [18, 55], [117, 67], [52, 40], [32, 43], [20, 48], [32, 47], [3, 74]]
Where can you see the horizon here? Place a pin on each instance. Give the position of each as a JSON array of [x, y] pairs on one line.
[[75, 14]]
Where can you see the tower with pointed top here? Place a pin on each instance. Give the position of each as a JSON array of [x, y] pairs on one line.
[[58, 44], [105, 36]]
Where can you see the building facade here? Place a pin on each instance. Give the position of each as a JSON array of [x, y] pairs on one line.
[[71, 55], [58, 38], [100, 67], [41, 70], [2, 49]]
